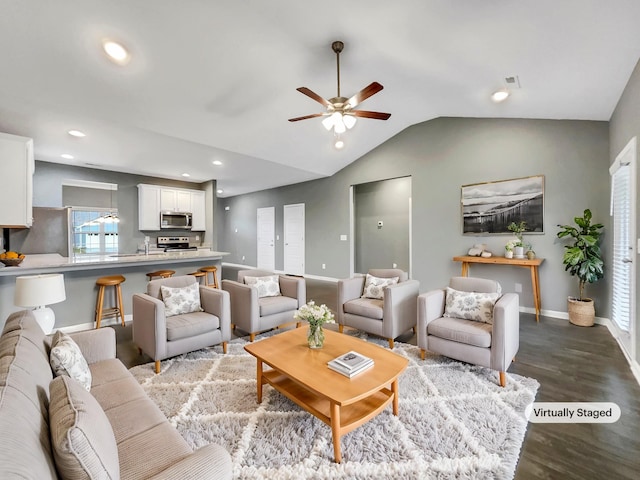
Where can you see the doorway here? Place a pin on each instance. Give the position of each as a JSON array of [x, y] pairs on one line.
[[266, 228], [294, 239], [623, 210]]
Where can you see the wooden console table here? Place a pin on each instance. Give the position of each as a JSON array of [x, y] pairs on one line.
[[532, 265]]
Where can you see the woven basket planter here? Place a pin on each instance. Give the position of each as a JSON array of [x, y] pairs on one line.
[[581, 312]]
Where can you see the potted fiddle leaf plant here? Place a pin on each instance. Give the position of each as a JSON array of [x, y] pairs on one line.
[[582, 258]]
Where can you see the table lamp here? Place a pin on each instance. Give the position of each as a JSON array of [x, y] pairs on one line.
[[38, 291]]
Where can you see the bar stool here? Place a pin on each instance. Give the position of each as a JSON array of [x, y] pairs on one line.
[[200, 276], [101, 312], [207, 271], [161, 274]]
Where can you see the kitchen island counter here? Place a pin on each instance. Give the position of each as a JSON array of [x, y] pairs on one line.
[[77, 312]]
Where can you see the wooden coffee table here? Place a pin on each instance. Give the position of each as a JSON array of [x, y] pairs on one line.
[[301, 374]]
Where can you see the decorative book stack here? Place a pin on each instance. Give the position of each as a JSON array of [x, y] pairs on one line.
[[350, 364]]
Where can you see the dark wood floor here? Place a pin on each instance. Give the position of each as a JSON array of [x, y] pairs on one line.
[[572, 364]]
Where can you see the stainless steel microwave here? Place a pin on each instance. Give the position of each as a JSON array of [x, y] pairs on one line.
[[175, 220]]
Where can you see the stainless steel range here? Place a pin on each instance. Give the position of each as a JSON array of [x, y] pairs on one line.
[[174, 244]]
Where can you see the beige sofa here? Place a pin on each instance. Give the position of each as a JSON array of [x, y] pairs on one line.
[[148, 447]]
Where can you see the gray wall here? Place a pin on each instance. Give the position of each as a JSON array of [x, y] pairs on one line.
[[387, 201], [624, 125], [47, 192], [440, 156]]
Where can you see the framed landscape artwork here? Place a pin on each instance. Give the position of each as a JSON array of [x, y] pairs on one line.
[[489, 208]]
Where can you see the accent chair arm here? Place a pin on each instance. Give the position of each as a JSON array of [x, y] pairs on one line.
[[245, 311], [430, 307], [505, 337], [294, 287], [96, 345], [348, 289], [218, 303], [399, 307], [149, 325], [209, 462]]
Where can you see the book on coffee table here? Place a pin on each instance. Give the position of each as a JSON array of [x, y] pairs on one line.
[[350, 364]]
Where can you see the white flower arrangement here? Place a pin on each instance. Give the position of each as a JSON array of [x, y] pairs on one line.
[[316, 315]]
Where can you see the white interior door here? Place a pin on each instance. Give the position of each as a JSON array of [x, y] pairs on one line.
[[623, 210], [266, 238], [294, 239]]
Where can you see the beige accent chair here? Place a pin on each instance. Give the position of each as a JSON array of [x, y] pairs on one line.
[[163, 337], [387, 318], [254, 315], [493, 346]]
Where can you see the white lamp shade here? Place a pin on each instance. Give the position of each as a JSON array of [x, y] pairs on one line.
[[349, 121], [39, 290]]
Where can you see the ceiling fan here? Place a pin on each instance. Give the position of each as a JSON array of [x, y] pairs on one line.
[[341, 113]]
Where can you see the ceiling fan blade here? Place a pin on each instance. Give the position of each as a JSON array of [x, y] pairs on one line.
[[365, 93], [366, 114], [306, 117], [313, 95]]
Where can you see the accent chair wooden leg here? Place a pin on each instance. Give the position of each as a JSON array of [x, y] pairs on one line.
[[252, 337], [422, 353], [414, 330], [157, 366], [503, 379], [391, 343], [341, 328], [224, 347], [298, 324], [139, 351], [514, 359], [233, 326]]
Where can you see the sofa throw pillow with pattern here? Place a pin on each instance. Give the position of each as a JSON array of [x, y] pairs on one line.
[[179, 300], [470, 305], [66, 358], [374, 286], [268, 286]]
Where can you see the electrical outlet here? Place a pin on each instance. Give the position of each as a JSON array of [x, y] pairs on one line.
[[395, 265], [197, 238], [343, 238], [324, 266], [518, 288], [243, 258]]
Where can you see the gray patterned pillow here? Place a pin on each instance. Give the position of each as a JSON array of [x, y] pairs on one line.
[[67, 359], [470, 305], [179, 300], [374, 286], [268, 286]]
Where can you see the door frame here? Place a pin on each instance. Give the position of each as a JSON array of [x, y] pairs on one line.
[[284, 234], [273, 240]]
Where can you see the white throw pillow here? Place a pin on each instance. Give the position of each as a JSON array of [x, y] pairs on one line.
[[181, 300], [67, 359], [374, 286], [268, 286], [470, 305]]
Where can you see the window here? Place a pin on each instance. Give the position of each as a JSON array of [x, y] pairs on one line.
[[94, 231]]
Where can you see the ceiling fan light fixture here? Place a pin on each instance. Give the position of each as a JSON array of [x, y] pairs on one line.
[[349, 121], [339, 144], [328, 122]]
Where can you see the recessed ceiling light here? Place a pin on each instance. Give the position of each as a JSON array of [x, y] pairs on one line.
[[186, 175], [217, 162], [500, 96], [220, 190], [116, 52], [67, 156], [76, 133]]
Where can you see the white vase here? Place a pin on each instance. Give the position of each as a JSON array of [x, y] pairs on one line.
[[508, 254], [519, 252]]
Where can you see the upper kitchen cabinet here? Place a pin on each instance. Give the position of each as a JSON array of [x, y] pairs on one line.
[[16, 194], [153, 199]]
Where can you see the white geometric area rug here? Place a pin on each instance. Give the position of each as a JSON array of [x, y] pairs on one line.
[[454, 422]]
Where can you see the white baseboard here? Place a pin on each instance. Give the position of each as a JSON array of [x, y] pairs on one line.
[[106, 322]]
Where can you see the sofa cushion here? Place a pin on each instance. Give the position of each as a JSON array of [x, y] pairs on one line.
[[66, 359], [462, 331], [268, 285], [470, 305], [190, 325], [179, 300], [365, 307], [84, 445], [273, 305], [374, 286]]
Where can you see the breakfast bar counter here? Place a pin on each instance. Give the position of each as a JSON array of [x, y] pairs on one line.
[[81, 272]]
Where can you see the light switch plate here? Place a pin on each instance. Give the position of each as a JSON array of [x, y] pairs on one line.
[[343, 238]]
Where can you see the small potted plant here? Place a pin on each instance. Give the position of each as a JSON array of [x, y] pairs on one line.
[[582, 258], [508, 250], [518, 229], [316, 315]]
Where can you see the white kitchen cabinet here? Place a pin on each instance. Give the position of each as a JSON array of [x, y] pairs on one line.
[[148, 207], [173, 200], [198, 208], [16, 194]]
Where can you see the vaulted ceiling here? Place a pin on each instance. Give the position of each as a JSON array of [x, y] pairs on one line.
[[216, 80]]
